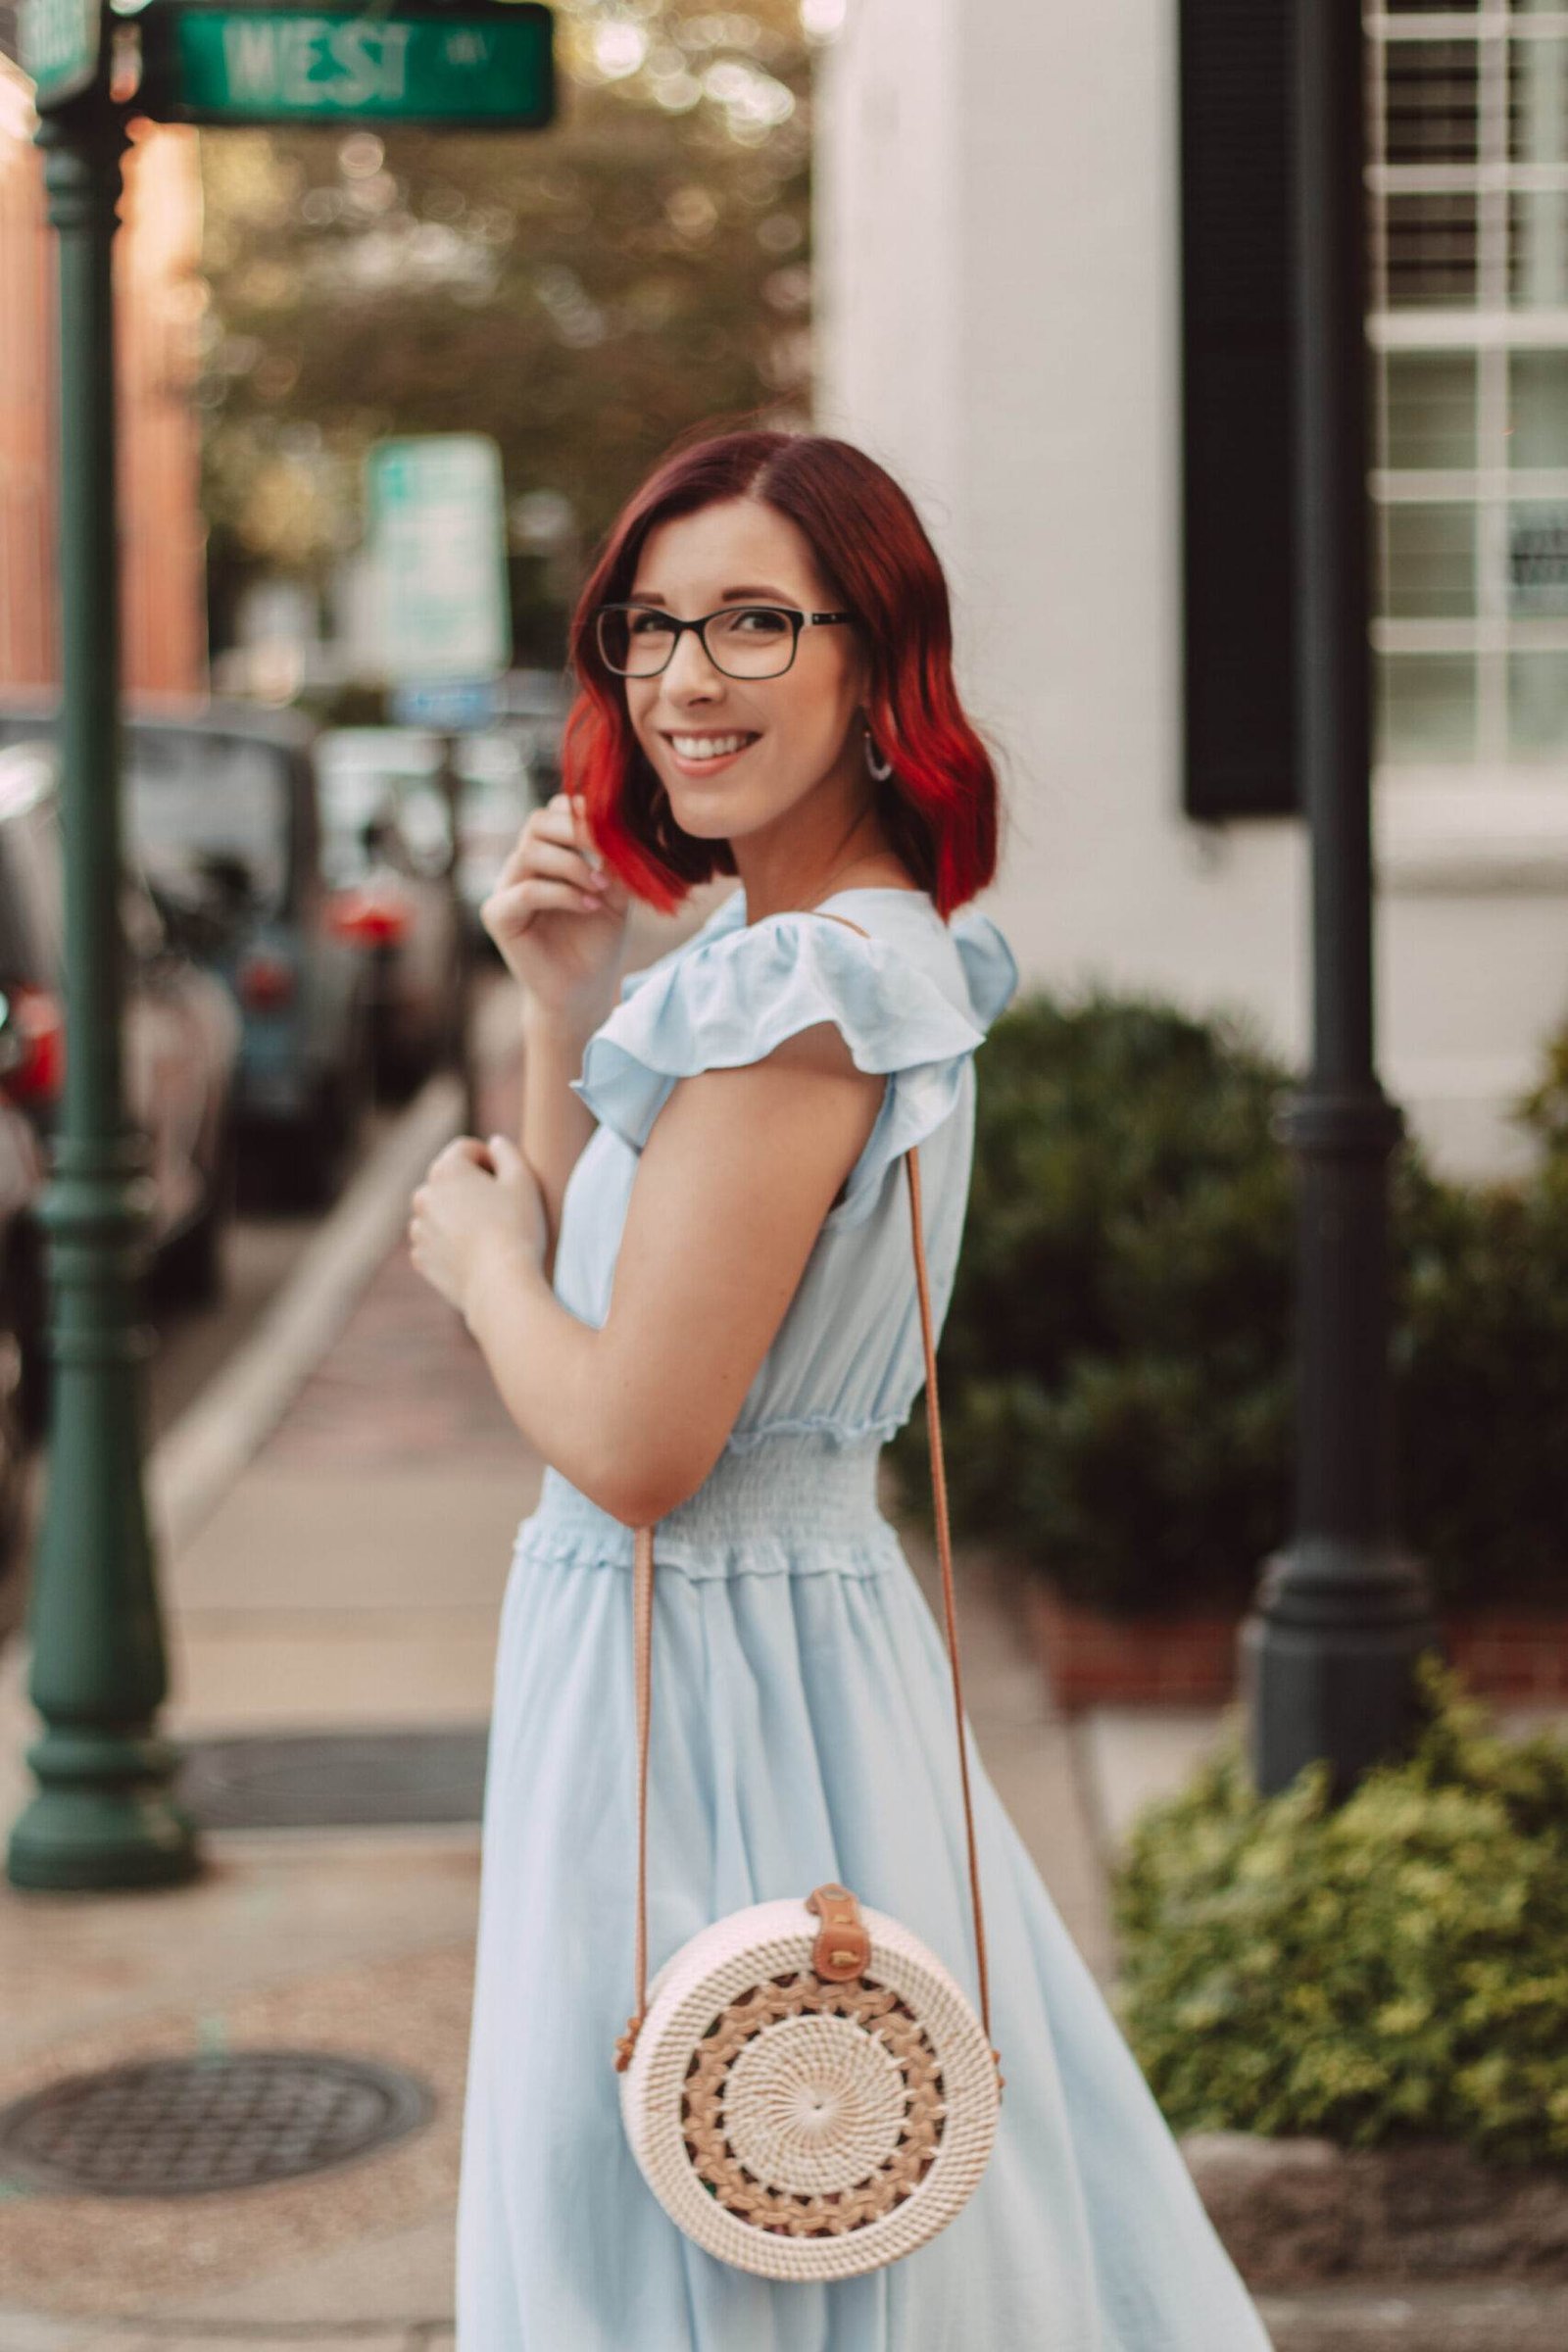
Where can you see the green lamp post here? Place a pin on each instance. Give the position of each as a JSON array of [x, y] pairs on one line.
[[103, 1815]]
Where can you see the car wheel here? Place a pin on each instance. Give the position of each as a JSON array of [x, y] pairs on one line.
[[189, 1270], [332, 1136], [14, 1429], [24, 1288]]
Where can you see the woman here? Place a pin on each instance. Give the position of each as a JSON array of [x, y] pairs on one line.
[[694, 1288]]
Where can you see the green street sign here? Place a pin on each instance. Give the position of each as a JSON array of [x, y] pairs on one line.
[[477, 65], [58, 43], [438, 539]]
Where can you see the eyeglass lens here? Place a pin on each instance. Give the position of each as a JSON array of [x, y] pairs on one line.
[[752, 641]]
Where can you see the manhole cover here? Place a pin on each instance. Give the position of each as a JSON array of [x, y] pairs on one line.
[[295, 1780], [185, 2126]]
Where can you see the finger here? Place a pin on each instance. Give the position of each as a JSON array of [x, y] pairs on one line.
[[508, 1160], [584, 828], [512, 910], [549, 861], [550, 825], [463, 1151]]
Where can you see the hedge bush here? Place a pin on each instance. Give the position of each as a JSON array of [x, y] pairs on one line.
[[1117, 1359], [1395, 1966]]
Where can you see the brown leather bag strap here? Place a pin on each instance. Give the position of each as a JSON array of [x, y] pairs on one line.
[[643, 1632]]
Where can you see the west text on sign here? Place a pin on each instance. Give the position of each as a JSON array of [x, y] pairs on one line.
[[311, 60]]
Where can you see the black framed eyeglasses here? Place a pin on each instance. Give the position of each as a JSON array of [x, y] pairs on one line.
[[743, 641]]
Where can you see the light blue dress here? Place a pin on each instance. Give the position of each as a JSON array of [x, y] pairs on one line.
[[802, 1730]]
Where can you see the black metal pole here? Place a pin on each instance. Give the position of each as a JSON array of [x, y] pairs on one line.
[[103, 1816], [1342, 1612]]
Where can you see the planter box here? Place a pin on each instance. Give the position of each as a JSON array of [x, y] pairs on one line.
[[1094, 1659]]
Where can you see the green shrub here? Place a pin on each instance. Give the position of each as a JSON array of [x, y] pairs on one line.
[[1396, 1967], [1117, 1358], [1543, 1110], [1481, 1389], [1115, 1376]]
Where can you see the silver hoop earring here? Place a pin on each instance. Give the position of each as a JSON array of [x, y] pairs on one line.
[[873, 757]]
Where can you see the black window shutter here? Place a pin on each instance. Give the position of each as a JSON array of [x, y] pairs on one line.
[[1238, 555]]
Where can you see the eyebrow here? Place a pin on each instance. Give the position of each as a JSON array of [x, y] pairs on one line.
[[775, 596]]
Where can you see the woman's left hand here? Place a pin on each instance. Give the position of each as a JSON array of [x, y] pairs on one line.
[[479, 1204]]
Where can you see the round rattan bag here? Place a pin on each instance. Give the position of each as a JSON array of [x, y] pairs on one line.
[[806, 2089], [808, 2112]]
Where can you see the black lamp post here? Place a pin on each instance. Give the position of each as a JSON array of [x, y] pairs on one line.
[[1342, 1612]]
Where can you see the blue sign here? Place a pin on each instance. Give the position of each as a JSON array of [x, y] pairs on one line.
[[445, 706]]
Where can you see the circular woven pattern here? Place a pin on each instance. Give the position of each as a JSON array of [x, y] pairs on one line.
[[802, 2129], [805, 2124]]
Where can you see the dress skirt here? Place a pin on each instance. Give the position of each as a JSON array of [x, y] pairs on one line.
[[802, 1730]]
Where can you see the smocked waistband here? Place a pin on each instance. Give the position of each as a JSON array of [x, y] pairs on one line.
[[787, 1506]]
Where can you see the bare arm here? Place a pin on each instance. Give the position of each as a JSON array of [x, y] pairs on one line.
[[738, 1172]]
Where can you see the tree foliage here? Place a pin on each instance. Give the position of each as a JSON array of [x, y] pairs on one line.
[[582, 293]]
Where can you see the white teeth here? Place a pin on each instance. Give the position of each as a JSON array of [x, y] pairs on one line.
[[707, 747]]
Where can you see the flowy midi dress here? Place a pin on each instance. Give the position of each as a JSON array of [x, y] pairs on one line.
[[802, 1730]]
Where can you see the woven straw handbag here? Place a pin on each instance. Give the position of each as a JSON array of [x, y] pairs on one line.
[[807, 2090]]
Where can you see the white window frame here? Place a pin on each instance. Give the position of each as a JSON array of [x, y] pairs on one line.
[[1492, 820]]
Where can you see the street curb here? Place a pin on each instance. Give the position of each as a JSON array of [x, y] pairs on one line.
[[196, 1462], [1300, 2213], [1460, 2315]]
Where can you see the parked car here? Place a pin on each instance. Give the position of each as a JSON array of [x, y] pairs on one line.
[[497, 788], [532, 708], [22, 1175], [501, 790], [385, 852], [181, 1042], [221, 807]]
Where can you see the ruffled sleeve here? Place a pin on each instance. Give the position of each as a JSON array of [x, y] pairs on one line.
[[988, 966], [732, 998]]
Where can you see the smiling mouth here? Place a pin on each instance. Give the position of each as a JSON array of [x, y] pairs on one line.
[[705, 749]]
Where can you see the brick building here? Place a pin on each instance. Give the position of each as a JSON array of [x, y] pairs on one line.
[[160, 299]]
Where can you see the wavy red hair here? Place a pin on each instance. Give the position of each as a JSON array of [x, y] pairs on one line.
[[939, 806]]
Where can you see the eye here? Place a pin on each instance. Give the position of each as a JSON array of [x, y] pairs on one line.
[[647, 624], [759, 620]]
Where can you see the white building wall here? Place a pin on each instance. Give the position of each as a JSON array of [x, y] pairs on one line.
[[998, 322]]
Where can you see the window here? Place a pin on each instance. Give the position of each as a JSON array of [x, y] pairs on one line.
[[1468, 301]]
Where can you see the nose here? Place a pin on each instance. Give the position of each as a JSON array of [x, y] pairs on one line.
[[690, 670]]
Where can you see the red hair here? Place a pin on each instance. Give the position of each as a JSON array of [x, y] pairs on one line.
[[939, 806]]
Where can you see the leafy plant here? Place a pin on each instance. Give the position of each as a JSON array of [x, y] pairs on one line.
[[1117, 1359], [1395, 1965]]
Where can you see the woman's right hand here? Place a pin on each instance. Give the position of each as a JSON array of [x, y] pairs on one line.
[[558, 917]]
